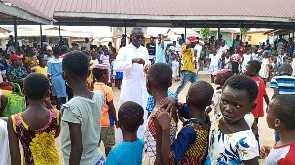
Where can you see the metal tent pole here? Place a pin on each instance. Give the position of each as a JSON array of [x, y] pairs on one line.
[[41, 38], [15, 34]]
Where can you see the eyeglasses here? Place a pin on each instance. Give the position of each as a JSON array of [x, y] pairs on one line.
[[138, 37]]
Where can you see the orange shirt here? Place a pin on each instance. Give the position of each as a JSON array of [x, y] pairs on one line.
[[106, 119]]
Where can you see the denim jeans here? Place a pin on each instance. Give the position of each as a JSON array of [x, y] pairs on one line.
[[257, 135], [277, 136], [186, 76]]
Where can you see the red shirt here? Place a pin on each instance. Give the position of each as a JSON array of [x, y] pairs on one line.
[[240, 50], [259, 111]]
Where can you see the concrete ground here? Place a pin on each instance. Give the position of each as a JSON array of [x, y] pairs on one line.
[[266, 134]]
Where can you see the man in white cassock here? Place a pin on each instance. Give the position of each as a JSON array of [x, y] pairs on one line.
[[132, 60]]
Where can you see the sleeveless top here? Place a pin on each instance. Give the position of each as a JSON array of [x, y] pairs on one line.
[[38, 145], [150, 137]]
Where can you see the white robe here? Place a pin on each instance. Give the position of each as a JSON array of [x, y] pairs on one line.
[[4, 152], [134, 82]]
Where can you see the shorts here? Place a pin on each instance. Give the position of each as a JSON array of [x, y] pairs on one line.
[[107, 135]]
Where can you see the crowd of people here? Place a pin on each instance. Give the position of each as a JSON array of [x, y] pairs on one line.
[[79, 82]]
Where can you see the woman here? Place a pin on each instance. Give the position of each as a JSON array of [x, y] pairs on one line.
[[17, 73]]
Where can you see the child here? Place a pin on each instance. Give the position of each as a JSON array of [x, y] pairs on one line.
[[245, 59], [265, 67], [280, 117], [175, 68], [36, 127], [54, 72], [157, 85], [81, 115], [232, 141], [130, 150], [220, 78], [31, 60], [252, 69], [213, 59], [42, 68], [235, 58], [191, 144], [109, 117], [227, 61]]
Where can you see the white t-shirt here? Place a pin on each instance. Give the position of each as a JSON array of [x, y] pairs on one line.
[[198, 48], [249, 119], [87, 46], [214, 60], [222, 49]]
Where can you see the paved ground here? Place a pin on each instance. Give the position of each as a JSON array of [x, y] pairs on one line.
[[266, 134]]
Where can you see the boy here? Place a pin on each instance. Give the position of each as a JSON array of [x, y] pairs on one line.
[[191, 144], [157, 85], [81, 115], [252, 69], [108, 117], [282, 85], [280, 116], [130, 150]]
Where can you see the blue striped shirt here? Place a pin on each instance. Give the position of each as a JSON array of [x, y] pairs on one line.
[[151, 102], [285, 84]]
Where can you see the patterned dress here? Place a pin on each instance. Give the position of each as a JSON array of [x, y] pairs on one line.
[[232, 148], [197, 152], [150, 140], [38, 145]]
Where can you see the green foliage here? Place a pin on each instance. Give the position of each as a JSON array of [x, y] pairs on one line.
[[205, 33], [244, 31]]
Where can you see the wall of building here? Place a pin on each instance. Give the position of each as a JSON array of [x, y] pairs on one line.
[[254, 37]]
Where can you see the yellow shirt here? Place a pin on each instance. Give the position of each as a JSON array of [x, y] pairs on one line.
[[187, 59], [41, 70]]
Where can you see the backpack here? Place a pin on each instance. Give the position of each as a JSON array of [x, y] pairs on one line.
[[16, 102]]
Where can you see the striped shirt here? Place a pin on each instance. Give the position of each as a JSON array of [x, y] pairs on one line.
[[285, 84], [151, 102]]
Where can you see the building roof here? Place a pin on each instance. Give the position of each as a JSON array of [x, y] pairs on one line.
[[23, 11], [196, 13]]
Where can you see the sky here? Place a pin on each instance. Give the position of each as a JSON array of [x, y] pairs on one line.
[[100, 31]]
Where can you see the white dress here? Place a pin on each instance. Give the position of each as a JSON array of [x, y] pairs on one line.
[[134, 81], [264, 71], [175, 68], [247, 58], [213, 64]]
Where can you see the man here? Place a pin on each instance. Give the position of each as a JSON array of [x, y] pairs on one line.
[[87, 44], [49, 53], [61, 42], [236, 42], [188, 70], [178, 52], [112, 49], [283, 84], [132, 60], [151, 47], [160, 52]]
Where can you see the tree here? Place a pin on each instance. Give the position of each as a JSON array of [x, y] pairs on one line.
[[244, 31], [205, 33]]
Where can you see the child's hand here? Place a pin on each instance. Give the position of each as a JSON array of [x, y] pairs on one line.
[[264, 151], [163, 119], [168, 102]]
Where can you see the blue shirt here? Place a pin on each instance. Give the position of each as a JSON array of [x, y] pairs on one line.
[[126, 153], [151, 102], [160, 54], [285, 84]]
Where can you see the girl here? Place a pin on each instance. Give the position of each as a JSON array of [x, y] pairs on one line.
[[232, 141], [54, 72], [105, 59], [246, 58], [36, 127], [235, 58], [118, 76], [42, 68], [213, 59], [265, 67], [31, 60], [175, 68], [169, 58]]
